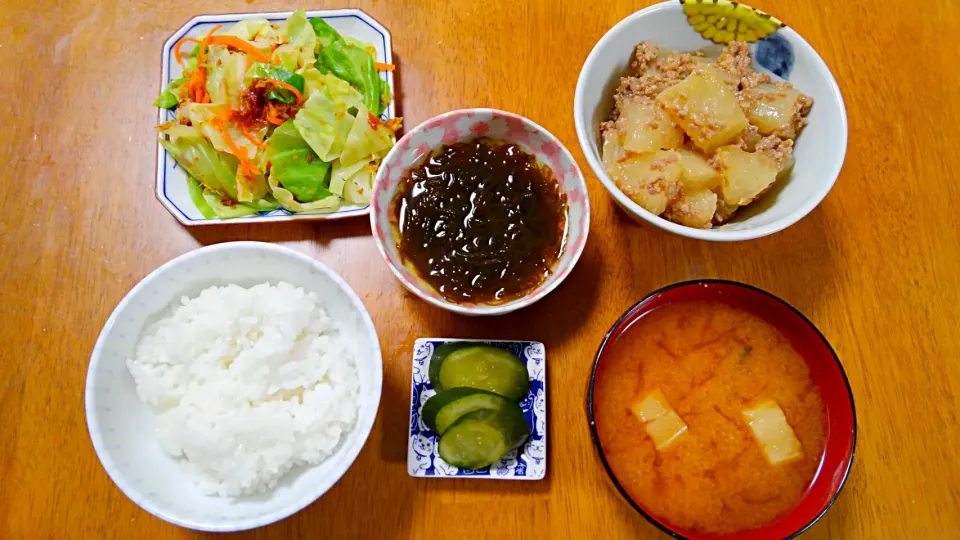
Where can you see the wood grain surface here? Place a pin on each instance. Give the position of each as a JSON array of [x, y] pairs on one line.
[[876, 266]]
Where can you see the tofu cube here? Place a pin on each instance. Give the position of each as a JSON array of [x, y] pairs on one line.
[[660, 421], [771, 430]]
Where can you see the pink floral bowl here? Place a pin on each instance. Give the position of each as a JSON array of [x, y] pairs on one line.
[[461, 126]]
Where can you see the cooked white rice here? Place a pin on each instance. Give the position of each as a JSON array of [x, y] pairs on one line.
[[246, 384]]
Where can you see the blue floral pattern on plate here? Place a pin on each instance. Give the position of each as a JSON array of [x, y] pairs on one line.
[[529, 462], [774, 54]]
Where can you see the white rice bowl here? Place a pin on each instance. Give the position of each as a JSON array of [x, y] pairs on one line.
[[247, 384], [133, 442]]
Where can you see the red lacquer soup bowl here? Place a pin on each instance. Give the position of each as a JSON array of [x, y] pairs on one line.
[[825, 370]]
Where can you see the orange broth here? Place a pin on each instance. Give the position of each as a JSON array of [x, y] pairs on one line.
[[711, 361]]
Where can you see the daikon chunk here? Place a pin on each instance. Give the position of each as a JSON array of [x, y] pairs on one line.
[[694, 209], [776, 110], [697, 172], [705, 108], [771, 430], [745, 175], [646, 128], [650, 179]]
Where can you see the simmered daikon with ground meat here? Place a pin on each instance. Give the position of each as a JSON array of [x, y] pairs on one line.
[[695, 136]]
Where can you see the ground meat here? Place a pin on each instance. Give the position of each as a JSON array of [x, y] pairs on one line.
[[655, 72], [754, 80], [661, 164], [736, 59], [800, 112], [644, 57], [669, 71], [678, 66], [780, 150], [748, 140]]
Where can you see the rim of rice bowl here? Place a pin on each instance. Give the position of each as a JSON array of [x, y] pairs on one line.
[[295, 495]]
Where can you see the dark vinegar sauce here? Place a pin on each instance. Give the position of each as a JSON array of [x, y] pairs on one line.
[[481, 221]]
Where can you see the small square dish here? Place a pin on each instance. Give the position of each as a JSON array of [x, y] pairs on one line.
[[527, 462], [172, 187]]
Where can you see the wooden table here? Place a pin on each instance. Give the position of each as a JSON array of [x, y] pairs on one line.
[[876, 266]]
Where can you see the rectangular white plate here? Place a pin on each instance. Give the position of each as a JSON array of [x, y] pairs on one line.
[[172, 182], [529, 462]]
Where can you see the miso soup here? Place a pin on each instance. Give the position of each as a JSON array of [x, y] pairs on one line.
[[708, 417]]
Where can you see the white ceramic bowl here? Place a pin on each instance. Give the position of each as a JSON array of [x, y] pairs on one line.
[[171, 187], [465, 125], [121, 426], [819, 150]]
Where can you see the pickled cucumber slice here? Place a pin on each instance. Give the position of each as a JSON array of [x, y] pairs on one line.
[[485, 368], [479, 439], [478, 401], [439, 355], [439, 401], [472, 445]]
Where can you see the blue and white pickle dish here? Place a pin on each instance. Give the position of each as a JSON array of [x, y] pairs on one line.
[[783, 54], [528, 462]]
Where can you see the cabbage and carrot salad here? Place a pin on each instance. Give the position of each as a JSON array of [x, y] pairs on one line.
[[270, 116]]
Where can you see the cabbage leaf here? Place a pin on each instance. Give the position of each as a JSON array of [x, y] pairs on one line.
[[198, 158], [339, 89], [301, 38], [324, 124], [367, 137], [298, 178], [248, 29]]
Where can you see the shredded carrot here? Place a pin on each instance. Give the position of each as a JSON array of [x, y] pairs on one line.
[[249, 169], [197, 86], [393, 124], [289, 87], [273, 118], [206, 98], [176, 48], [384, 67], [240, 45], [253, 139], [201, 83], [202, 54]]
